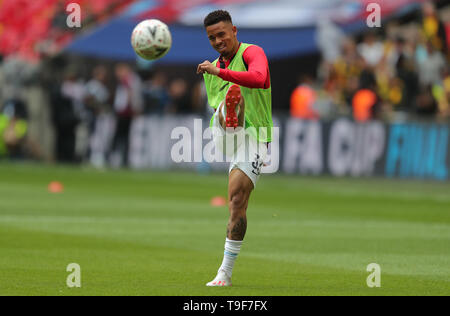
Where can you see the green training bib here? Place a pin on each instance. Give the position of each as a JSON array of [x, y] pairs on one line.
[[258, 102]]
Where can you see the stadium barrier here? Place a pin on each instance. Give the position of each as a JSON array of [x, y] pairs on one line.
[[340, 147]]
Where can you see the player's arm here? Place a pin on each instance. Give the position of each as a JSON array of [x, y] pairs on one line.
[[257, 75], [207, 67]]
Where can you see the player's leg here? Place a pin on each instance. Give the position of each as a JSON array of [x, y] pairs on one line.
[[240, 187], [242, 179]]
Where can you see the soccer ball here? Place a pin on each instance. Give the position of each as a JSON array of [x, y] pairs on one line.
[[151, 39]]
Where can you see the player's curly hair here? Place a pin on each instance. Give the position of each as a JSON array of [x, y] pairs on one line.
[[216, 17]]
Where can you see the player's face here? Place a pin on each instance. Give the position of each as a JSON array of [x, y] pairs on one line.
[[222, 37]]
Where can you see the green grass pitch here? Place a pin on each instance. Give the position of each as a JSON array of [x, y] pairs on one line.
[[155, 233]]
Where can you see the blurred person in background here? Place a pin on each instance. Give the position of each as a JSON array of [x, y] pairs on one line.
[[395, 77], [97, 95], [329, 40], [13, 74], [407, 74], [75, 89], [371, 49], [343, 80], [303, 99], [101, 122], [66, 104], [13, 129], [155, 94], [433, 28], [128, 103], [365, 101], [441, 93], [200, 100], [432, 67], [426, 103], [395, 49], [329, 99], [179, 96], [393, 44], [384, 75]]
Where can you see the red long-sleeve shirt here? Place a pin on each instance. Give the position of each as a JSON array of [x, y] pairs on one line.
[[257, 74]]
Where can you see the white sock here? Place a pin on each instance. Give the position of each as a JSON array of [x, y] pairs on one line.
[[232, 249]]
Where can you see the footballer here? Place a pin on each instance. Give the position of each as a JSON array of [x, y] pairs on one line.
[[239, 89]]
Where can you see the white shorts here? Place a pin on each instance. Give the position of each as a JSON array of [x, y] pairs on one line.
[[243, 150]]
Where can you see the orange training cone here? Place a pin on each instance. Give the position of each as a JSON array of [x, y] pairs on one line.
[[55, 187], [218, 201]]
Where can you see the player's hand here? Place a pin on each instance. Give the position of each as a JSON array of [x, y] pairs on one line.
[[207, 67]]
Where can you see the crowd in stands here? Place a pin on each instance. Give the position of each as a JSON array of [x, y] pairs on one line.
[[398, 69], [41, 27]]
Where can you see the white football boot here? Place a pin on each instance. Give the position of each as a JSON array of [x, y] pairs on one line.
[[222, 279]]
